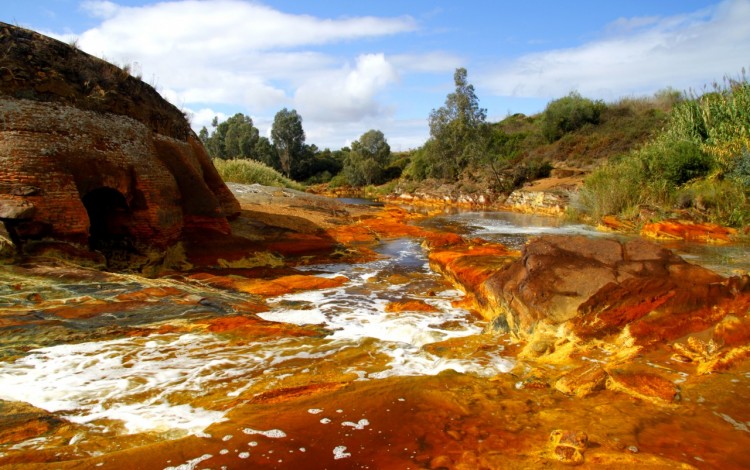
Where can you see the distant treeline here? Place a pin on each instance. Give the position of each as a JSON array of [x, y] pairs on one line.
[[653, 155]]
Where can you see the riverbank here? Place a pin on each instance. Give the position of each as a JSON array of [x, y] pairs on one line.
[[316, 336]]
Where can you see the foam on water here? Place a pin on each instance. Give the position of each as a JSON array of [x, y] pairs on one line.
[[354, 312], [161, 383], [138, 381]]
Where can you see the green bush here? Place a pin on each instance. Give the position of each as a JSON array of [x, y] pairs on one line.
[[741, 170], [615, 188], [676, 162], [699, 162], [724, 202], [251, 172], [568, 114], [530, 170]]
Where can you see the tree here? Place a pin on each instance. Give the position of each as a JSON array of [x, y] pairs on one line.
[[288, 137], [240, 137], [234, 138], [456, 129], [265, 152], [367, 160]]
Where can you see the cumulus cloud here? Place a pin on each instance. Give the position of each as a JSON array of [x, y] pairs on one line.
[[402, 134], [637, 56], [235, 52], [348, 93], [224, 25]]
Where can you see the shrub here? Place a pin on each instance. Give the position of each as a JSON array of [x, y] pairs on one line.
[[568, 114], [741, 170], [723, 202], [251, 172], [614, 188], [530, 170], [676, 162]]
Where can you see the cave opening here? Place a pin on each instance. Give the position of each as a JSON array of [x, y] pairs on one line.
[[110, 220]]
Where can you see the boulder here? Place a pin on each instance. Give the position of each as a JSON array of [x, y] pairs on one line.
[[595, 287], [94, 156]]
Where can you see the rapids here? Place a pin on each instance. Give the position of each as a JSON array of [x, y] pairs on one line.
[[346, 381]]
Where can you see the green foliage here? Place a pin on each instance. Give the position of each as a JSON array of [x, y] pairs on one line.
[[724, 202], [699, 162], [455, 131], [234, 138], [615, 188], [315, 166], [741, 170], [288, 137], [718, 120], [676, 162], [568, 114], [366, 163], [251, 172], [266, 153]]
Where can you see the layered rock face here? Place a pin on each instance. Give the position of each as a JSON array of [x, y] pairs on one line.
[[595, 288], [91, 155]]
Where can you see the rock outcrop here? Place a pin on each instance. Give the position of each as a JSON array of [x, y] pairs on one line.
[[595, 288], [93, 156]]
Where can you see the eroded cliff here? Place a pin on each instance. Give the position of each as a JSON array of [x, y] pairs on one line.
[[95, 157]]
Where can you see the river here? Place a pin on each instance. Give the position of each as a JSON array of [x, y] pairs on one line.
[[185, 383]]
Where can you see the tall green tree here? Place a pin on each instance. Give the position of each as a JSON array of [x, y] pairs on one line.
[[456, 129], [288, 137], [367, 160], [241, 136], [265, 152], [234, 138]]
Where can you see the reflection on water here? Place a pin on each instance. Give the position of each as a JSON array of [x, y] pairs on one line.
[[514, 229], [359, 201]]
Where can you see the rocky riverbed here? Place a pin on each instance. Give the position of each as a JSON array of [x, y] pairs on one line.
[[320, 335]]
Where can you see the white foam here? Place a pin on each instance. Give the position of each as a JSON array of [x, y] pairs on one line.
[[156, 383], [361, 424], [272, 433], [339, 452], [190, 464], [141, 382]]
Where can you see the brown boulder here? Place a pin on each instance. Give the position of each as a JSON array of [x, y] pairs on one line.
[[92, 155], [594, 286]]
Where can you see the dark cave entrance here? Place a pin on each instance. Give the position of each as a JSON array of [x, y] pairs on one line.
[[110, 219]]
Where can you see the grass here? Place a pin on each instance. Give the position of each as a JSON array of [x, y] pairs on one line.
[[696, 166], [252, 172]]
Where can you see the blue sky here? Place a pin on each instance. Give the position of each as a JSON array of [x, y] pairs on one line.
[[348, 67]]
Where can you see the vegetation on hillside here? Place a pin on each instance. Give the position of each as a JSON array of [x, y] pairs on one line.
[[237, 138], [649, 157], [698, 166], [573, 132], [252, 172]]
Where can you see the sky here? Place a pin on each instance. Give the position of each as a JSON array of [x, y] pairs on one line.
[[351, 66]]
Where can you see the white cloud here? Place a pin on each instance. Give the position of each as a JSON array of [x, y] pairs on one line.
[[223, 26], [641, 56], [433, 62], [100, 9], [402, 134], [246, 55], [203, 117], [349, 93]]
